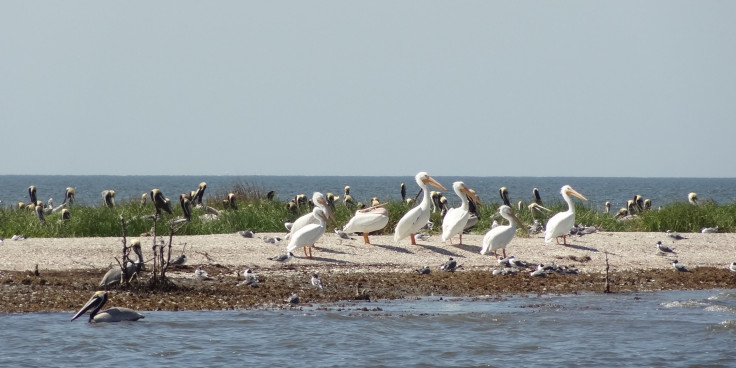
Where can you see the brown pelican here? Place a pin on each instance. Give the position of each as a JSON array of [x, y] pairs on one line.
[[115, 274], [693, 198], [403, 192], [417, 217], [504, 193], [435, 197], [270, 195], [144, 196], [159, 201], [474, 213], [348, 199], [536, 209], [39, 213], [331, 198], [367, 220], [456, 218], [232, 201], [622, 213], [65, 214], [560, 224], [375, 202], [114, 314], [300, 199], [69, 195], [199, 194], [608, 207], [537, 197], [647, 204], [108, 198], [320, 202], [32, 194], [639, 202], [186, 207], [500, 236], [309, 234]]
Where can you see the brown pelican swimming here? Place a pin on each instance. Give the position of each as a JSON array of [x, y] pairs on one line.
[[456, 218], [114, 314], [319, 200], [160, 202], [537, 197], [115, 274], [108, 198], [417, 217], [309, 234], [504, 193], [69, 195], [199, 194], [366, 221], [560, 224], [500, 236], [693, 198]]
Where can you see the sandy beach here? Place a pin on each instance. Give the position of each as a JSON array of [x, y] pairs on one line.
[[70, 268]]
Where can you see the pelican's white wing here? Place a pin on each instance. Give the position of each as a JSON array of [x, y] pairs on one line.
[[497, 238], [411, 222], [307, 235], [559, 225], [454, 222], [366, 222]]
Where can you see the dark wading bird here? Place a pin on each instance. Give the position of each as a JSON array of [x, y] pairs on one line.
[[114, 314]]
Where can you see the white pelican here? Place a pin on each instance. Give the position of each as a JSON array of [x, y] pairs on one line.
[[500, 236], [561, 223], [114, 314], [417, 217], [693, 198], [367, 220], [320, 201], [456, 218], [309, 234]]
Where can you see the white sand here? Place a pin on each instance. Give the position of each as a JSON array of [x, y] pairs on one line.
[[627, 251]]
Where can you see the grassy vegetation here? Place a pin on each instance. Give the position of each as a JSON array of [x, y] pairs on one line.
[[259, 214]]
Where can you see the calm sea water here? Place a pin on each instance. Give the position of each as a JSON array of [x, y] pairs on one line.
[[652, 329], [14, 188]]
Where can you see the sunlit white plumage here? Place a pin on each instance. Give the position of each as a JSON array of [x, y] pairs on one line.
[[309, 234], [367, 220], [417, 217], [320, 201], [456, 218], [561, 223], [500, 236], [732, 267]]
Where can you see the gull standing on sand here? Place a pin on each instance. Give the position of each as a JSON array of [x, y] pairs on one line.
[[449, 266], [663, 248], [456, 218], [282, 258], [500, 236], [674, 235], [316, 281], [539, 272], [679, 267], [309, 234], [560, 224], [251, 279], [417, 217]]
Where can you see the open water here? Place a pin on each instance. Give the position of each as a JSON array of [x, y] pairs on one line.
[[14, 188], [644, 329]]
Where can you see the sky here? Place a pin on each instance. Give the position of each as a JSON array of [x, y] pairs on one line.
[[472, 88]]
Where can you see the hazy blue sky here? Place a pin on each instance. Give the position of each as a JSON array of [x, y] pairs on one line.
[[476, 88]]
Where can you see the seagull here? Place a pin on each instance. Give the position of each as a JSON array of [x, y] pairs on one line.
[[342, 235], [449, 266], [679, 267], [709, 230], [282, 258], [675, 235], [201, 273], [663, 248], [182, 259], [504, 261], [271, 239], [422, 236], [18, 237], [316, 281], [732, 267], [247, 233], [293, 299], [251, 279], [539, 272], [424, 270]]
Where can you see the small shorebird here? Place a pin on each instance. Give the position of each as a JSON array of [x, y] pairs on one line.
[[316, 281], [251, 279], [663, 248], [449, 266], [283, 257], [539, 272], [679, 267], [674, 235]]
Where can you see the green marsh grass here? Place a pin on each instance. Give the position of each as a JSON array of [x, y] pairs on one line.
[[261, 215]]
